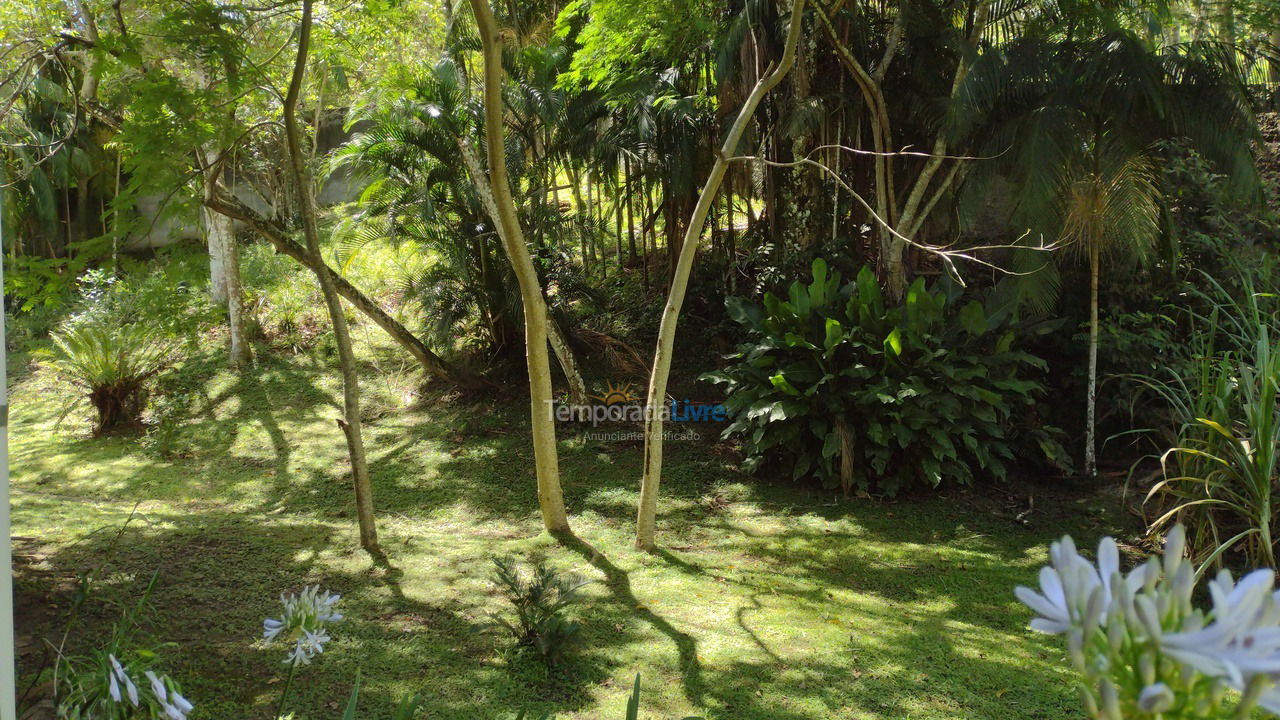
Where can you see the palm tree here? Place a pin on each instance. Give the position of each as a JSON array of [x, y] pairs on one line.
[[419, 193], [1109, 207]]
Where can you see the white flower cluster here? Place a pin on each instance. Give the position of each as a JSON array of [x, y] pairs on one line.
[[163, 693], [1141, 647], [303, 623]]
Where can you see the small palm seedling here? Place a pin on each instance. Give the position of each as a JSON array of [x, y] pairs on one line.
[[111, 364], [540, 597]]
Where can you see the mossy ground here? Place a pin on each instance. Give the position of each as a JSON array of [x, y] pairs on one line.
[[766, 602]]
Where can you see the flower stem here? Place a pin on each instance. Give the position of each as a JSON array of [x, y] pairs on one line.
[[288, 682]]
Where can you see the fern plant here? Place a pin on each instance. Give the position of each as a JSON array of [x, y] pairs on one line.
[[540, 597], [111, 364], [835, 384]]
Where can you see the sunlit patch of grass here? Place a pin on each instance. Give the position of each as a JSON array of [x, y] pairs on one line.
[[767, 602]]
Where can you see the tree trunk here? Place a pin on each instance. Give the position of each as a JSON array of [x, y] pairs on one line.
[[582, 213], [217, 232], [346, 357], [652, 475], [803, 204], [224, 264], [617, 228], [1090, 461], [1275, 63], [846, 456], [631, 212], [546, 460], [556, 336], [564, 353], [923, 194]]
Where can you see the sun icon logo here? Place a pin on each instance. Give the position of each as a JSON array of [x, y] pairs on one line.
[[619, 395]]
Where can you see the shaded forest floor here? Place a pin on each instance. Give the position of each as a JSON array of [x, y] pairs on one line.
[[767, 601]]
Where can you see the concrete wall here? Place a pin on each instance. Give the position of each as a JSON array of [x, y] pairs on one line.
[[184, 223]]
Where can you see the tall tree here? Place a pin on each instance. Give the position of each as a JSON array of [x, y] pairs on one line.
[[546, 460], [1110, 207], [346, 357], [224, 260], [1083, 122], [652, 474], [903, 210]]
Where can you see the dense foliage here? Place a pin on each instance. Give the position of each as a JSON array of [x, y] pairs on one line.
[[1036, 221], [836, 383]]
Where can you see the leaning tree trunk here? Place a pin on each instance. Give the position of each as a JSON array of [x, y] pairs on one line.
[[224, 263], [555, 334], [342, 336], [1090, 461], [546, 460], [560, 345], [652, 475], [275, 234]]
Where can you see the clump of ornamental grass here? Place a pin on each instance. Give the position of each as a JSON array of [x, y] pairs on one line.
[[1140, 646]]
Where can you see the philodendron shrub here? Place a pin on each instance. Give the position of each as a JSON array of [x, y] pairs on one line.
[[835, 383]]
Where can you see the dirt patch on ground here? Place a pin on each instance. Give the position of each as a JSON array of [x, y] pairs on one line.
[[40, 595]]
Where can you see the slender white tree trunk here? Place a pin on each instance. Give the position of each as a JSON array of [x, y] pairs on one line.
[[1090, 461], [653, 429], [546, 457], [224, 264], [217, 230]]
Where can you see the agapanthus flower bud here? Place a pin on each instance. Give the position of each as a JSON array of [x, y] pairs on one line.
[[1156, 698], [1110, 700]]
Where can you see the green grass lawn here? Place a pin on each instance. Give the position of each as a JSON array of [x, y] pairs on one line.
[[766, 602]]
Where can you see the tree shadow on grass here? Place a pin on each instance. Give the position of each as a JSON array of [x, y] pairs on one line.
[[619, 585], [202, 426], [219, 574], [271, 390]]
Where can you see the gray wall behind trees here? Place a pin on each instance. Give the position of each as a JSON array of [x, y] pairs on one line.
[[162, 223]]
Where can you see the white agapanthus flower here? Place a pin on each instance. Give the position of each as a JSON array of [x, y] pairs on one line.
[[303, 623], [1140, 646], [164, 694], [116, 678], [175, 706]]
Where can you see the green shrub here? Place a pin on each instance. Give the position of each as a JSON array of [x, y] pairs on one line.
[[540, 598], [836, 384]]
